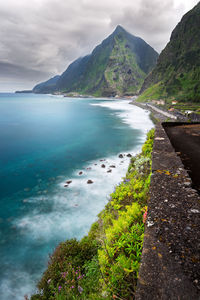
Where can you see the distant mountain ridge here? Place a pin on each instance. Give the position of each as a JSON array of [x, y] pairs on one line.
[[177, 73], [118, 66], [46, 85]]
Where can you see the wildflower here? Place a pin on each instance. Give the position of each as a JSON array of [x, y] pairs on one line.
[[59, 288], [72, 287], [127, 180], [49, 280], [80, 289], [144, 217]]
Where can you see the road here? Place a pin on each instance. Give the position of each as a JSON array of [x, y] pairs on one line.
[[162, 112]]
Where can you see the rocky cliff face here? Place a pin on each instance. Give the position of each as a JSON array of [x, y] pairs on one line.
[[117, 66], [177, 73]]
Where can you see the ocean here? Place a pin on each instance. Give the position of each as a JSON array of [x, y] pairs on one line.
[[46, 140]]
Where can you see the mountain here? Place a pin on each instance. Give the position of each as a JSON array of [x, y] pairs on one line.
[[46, 86], [177, 73], [117, 66]]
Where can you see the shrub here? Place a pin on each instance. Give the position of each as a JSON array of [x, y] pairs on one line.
[[120, 255]]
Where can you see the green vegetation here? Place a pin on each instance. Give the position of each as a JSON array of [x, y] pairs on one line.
[[153, 92], [105, 264], [184, 88], [123, 74], [177, 73]]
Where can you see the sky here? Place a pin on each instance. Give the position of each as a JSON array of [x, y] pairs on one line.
[[40, 38]]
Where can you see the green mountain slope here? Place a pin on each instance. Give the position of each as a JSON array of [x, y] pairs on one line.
[[117, 66], [177, 73]]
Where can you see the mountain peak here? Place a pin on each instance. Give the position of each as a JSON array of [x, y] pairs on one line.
[[119, 29]]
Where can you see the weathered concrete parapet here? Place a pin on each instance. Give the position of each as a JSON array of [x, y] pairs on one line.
[[170, 267]]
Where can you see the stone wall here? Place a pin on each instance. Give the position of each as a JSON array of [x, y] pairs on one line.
[[170, 266]]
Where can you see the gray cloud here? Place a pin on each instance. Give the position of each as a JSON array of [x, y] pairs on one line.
[[39, 38]]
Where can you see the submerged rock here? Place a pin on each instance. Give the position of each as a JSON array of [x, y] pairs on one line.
[[80, 173], [103, 166], [109, 171], [120, 156], [112, 166], [66, 185], [129, 155]]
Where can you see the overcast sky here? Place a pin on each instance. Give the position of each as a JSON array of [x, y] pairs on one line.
[[39, 38]]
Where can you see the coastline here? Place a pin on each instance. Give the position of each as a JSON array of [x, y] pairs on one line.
[[80, 195], [41, 226], [121, 164], [91, 171]]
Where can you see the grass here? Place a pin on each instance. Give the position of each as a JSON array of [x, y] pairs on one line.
[[154, 92]]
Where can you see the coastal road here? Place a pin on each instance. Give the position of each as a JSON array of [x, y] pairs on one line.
[[162, 112]]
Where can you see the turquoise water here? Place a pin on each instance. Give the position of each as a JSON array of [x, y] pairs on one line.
[[44, 141]]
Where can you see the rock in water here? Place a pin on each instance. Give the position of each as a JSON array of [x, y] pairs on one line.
[[89, 181]]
